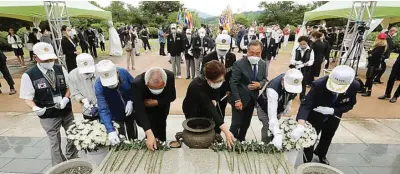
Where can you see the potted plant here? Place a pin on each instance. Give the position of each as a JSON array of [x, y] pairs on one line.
[[78, 165], [91, 137]]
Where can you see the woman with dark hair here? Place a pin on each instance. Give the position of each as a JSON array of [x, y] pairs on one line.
[[303, 59], [318, 46], [101, 40], [202, 97], [69, 48], [16, 44]]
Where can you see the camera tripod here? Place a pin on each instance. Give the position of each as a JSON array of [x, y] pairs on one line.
[[357, 48]]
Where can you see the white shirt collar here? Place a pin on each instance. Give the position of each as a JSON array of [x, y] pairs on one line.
[[44, 71], [299, 48]]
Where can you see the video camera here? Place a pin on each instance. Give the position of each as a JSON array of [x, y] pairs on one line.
[[362, 27]]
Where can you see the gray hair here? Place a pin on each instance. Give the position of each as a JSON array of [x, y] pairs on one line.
[[255, 43], [150, 75]]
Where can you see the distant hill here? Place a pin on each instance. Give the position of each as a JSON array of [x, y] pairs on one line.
[[251, 15], [202, 15]]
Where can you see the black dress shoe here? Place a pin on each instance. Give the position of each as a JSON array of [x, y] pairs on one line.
[[362, 90], [383, 97], [393, 100], [187, 77], [366, 94], [323, 160]]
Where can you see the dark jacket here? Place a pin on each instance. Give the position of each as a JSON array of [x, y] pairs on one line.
[[128, 38], [328, 48], [196, 44], [82, 41], [32, 38], [198, 101], [175, 47], [230, 58], [187, 46], [69, 50], [90, 36], [319, 95], [268, 51], [389, 45], [376, 55], [142, 92], [241, 77]]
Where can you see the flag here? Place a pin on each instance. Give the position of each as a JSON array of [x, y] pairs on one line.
[[222, 20], [190, 22]]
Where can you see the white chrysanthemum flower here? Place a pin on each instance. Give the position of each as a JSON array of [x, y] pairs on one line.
[[127, 142], [261, 143], [76, 142], [71, 137], [92, 146], [78, 147], [84, 146]]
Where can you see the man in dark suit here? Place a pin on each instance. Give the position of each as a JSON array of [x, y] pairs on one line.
[[389, 35], [269, 50], [248, 77], [325, 103], [201, 44], [175, 47], [91, 38], [227, 58], [154, 92], [82, 41]]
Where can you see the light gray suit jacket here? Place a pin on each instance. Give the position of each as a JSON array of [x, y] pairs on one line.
[[242, 76]]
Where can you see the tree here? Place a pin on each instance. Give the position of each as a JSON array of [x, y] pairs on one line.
[[163, 8], [119, 13], [241, 19], [95, 4]]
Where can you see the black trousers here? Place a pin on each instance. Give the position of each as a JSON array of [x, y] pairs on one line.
[[380, 72], [146, 43], [31, 54], [394, 74], [241, 120], [128, 128], [162, 47], [371, 74], [84, 48], [327, 130], [6, 74], [158, 121], [307, 77], [103, 48], [92, 48]]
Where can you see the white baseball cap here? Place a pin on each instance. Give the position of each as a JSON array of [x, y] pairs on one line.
[[223, 42], [85, 63], [292, 81], [107, 72], [44, 51], [340, 79]]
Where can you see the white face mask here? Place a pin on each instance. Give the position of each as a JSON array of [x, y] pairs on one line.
[[113, 86], [173, 31], [188, 35], [394, 35], [222, 52], [215, 85], [88, 75], [47, 65], [156, 91], [202, 35], [253, 59]]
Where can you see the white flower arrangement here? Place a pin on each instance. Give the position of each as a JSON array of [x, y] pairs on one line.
[[287, 125], [89, 135]]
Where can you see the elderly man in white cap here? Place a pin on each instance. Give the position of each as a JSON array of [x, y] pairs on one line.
[[175, 50], [45, 89], [154, 92], [325, 103], [201, 44], [114, 98], [227, 58], [276, 101], [251, 35], [190, 66], [82, 81]]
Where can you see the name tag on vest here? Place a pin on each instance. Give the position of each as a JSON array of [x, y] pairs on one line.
[[41, 85]]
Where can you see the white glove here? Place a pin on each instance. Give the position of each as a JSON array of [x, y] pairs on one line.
[[86, 103], [63, 102], [113, 138], [182, 55], [298, 132], [386, 60], [325, 62], [39, 111], [190, 52], [299, 66], [129, 108], [277, 141], [169, 56], [298, 62], [274, 127], [324, 110]]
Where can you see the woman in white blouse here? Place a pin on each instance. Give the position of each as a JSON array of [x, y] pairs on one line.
[[16, 44]]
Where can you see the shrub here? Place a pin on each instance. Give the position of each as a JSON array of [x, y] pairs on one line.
[[3, 41], [20, 33], [153, 32]]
